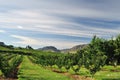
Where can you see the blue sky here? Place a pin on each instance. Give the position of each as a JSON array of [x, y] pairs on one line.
[[59, 23]]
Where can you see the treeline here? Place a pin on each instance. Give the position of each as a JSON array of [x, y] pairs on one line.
[[110, 48], [93, 57], [20, 52]]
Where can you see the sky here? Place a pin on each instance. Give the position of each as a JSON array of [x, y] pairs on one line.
[[59, 23]]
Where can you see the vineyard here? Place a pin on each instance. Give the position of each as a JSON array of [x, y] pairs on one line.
[[99, 60]]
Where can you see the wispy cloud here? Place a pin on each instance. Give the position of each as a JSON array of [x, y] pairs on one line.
[[20, 27], [25, 40], [2, 31], [41, 42], [83, 31]]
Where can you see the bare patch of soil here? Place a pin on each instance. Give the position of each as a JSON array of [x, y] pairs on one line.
[[78, 77], [73, 76], [57, 71], [2, 78]]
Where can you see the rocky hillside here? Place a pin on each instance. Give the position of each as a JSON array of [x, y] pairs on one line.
[[73, 49], [2, 43], [49, 48]]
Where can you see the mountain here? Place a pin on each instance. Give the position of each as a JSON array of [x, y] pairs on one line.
[[70, 50], [49, 48], [73, 49], [2, 44]]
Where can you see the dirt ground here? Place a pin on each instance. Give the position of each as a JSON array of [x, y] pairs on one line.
[[76, 77], [73, 76]]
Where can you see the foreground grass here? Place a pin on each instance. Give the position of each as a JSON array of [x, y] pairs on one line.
[[30, 71], [107, 73], [0, 72]]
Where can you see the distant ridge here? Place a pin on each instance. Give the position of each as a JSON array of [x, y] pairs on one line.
[[70, 50], [74, 49], [49, 48]]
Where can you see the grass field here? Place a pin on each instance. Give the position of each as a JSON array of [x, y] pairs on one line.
[[30, 71], [107, 73]]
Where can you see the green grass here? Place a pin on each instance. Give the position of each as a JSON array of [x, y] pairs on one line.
[[0, 72], [111, 68], [30, 71], [4, 48], [107, 73]]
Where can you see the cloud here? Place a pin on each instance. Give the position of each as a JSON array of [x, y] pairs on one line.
[[20, 27], [107, 9], [72, 29], [78, 30], [25, 13], [41, 42], [2, 31], [25, 40]]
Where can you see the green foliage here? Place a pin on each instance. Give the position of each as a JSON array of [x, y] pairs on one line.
[[94, 58], [112, 50], [9, 68], [67, 62], [59, 61], [117, 50], [77, 61], [29, 47]]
